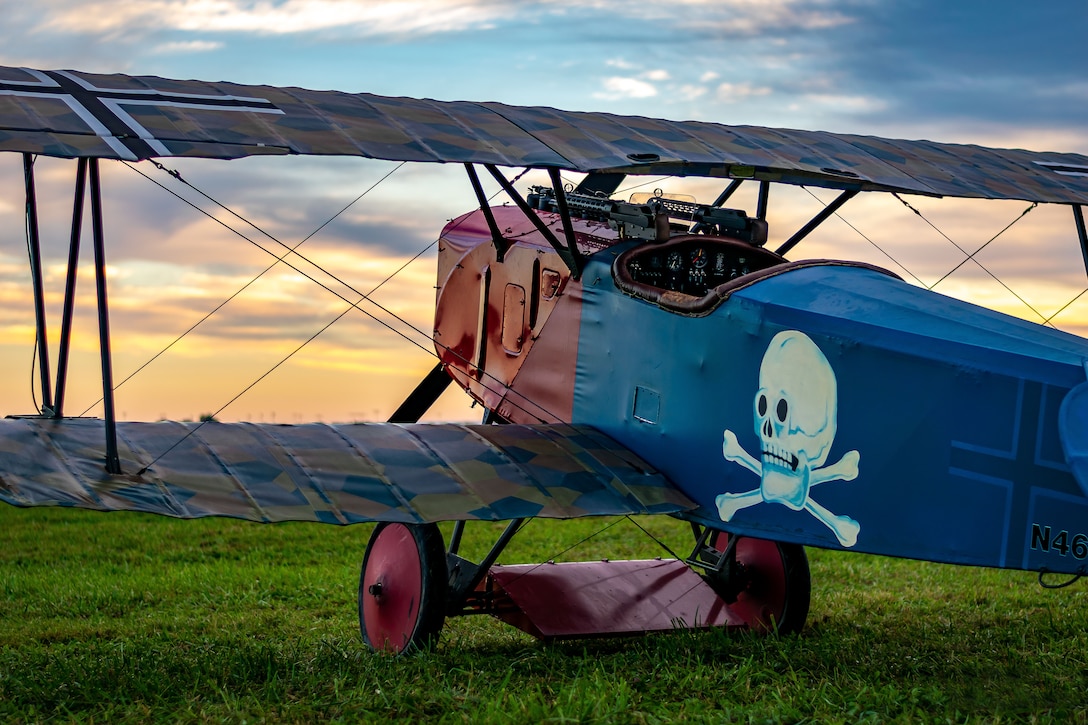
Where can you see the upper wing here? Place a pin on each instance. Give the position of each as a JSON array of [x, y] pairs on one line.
[[339, 474], [70, 114]]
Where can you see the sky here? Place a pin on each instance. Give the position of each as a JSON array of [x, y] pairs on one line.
[[1005, 74]]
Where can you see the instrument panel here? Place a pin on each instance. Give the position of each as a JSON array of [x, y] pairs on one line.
[[697, 265]]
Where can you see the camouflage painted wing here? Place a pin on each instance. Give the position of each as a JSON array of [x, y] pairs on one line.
[[340, 474], [71, 114]]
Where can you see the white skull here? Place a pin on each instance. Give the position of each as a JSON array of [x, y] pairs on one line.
[[795, 416]]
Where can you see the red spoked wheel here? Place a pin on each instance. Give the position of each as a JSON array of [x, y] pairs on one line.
[[771, 583], [402, 587]]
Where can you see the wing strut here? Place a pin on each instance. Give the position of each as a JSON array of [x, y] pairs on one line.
[[420, 400], [35, 251], [823, 215], [113, 463], [568, 228], [728, 192], [1082, 234], [53, 406], [568, 254], [70, 288], [496, 236], [761, 203]]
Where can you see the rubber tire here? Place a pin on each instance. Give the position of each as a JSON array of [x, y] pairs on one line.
[[776, 596], [406, 610]]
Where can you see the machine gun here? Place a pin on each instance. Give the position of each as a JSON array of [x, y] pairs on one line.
[[642, 221]]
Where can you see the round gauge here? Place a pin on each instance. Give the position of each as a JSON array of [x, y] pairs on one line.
[[698, 258], [674, 261]]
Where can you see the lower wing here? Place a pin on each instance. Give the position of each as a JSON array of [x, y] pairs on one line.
[[338, 474]]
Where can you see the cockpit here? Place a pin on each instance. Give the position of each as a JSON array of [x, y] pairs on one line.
[[691, 250], [693, 265], [690, 273]]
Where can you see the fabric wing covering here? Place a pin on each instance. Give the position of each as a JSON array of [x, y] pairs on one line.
[[338, 474], [72, 114]]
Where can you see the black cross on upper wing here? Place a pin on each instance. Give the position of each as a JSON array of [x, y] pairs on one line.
[[103, 109]]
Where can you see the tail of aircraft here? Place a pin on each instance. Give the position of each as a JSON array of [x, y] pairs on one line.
[[1073, 429]]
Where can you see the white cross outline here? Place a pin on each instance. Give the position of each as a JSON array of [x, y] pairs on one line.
[[1064, 169], [114, 106]]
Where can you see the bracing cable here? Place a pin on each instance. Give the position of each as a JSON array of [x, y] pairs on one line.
[[34, 363], [861, 234], [970, 256], [241, 289], [351, 305]]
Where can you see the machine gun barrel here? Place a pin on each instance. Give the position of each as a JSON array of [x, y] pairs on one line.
[[638, 220]]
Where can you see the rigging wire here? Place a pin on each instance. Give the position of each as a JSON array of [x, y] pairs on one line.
[[617, 520], [243, 392], [970, 256], [305, 259], [880, 249], [351, 305], [177, 175], [572, 547], [34, 349], [287, 357], [345, 284], [645, 183], [30, 259], [656, 540], [1066, 305]]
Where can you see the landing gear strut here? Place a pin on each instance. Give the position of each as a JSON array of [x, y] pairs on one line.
[[409, 584], [766, 583]]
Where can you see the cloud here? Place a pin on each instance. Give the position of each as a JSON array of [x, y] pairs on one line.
[[690, 92], [739, 17], [774, 17], [131, 20], [187, 46], [1003, 60], [846, 103], [736, 92], [617, 87], [405, 17]]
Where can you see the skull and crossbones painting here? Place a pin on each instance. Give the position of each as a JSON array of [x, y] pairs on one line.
[[796, 410]]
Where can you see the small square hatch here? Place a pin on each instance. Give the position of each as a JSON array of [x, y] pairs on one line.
[[647, 406]]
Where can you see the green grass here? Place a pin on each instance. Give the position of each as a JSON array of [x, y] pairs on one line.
[[129, 618]]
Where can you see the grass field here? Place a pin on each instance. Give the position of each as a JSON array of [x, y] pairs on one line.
[[129, 618]]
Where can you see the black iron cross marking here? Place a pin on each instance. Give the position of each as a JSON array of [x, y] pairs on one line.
[[1020, 468], [102, 108]]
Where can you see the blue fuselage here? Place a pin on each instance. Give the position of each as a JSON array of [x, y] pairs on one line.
[[838, 406]]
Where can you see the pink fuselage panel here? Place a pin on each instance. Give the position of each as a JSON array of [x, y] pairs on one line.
[[508, 331]]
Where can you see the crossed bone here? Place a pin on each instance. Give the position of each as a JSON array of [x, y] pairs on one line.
[[845, 528]]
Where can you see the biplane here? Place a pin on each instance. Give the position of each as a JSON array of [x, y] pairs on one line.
[[642, 355]]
